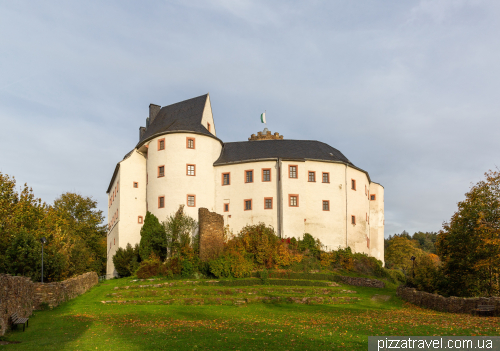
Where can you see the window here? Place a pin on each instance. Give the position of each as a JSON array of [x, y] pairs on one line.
[[268, 203], [326, 177], [367, 242], [293, 200], [139, 220], [249, 176], [117, 186], [365, 190], [292, 171], [226, 207], [190, 143], [161, 171], [326, 205], [208, 127], [114, 241], [312, 176], [266, 174], [353, 220], [136, 185], [191, 170], [226, 179], [353, 184], [248, 205], [373, 197], [191, 200], [161, 201], [161, 144]]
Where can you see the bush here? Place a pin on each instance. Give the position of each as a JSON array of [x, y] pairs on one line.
[[153, 267], [231, 264], [126, 260]]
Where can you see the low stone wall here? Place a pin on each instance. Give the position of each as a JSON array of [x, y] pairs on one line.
[[54, 294], [445, 304], [21, 295], [16, 295], [370, 283]]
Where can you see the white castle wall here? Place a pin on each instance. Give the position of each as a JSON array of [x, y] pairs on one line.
[[176, 185]]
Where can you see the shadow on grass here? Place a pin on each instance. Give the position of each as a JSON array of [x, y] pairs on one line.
[[48, 330]]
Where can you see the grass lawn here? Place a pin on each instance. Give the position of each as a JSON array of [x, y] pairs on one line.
[[123, 314]]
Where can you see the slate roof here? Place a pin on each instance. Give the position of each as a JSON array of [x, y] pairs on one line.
[[182, 116], [300, 150]]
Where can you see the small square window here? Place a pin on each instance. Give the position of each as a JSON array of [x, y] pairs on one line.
[[292, 171], [249, 176], [139, 219], [190, 143], [268, 203], [312, 176], [226, 179], [161, 144], [373, 197], [353, 184], [161, 201], [293, 200], [226, 207], [136, 184], [326, 205], [191, 200], [161, 171], [266, 174], [191, 170], [326, 177], [248, 205], [353, 220]]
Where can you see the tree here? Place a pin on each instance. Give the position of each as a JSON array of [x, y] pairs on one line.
[[153, 238], [24, 255], [179, 230], [469, 245], [399, 252], [85, 230]]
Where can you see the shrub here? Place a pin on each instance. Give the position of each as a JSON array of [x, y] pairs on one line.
[[153, 267], [126, 260]]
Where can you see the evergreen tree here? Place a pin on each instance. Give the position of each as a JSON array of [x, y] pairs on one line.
[[153, 238], [126, 260]]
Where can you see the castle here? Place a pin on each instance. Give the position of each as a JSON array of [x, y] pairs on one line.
[[297, 186]]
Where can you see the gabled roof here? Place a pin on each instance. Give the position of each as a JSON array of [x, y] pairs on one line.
[[300, 150], [182, 116]]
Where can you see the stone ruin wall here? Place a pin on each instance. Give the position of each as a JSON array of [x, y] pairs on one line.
[[21, 295], [211, 233], [445, 304], [53, 294], [16, 295]]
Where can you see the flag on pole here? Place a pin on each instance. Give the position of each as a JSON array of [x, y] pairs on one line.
[[263, 118]]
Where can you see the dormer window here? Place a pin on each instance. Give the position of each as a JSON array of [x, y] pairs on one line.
[[208, 127]]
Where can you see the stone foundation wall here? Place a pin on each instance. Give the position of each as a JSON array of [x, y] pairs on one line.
[[211, 231], [370, 283], [16, 295], [21, 295], [445, 304]]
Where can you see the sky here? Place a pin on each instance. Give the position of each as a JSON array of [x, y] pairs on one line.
[[406, 90]]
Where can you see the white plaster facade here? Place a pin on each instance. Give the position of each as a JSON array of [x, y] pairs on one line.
[[162, 145]]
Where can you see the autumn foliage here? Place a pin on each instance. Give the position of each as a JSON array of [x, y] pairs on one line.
[[76, 238]]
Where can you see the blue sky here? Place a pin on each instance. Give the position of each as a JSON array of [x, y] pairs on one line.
[[407, 90]]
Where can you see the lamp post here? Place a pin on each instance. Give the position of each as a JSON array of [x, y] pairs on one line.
[[43, 240], [413, 270]]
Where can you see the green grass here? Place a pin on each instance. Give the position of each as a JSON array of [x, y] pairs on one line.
[[201, 315]]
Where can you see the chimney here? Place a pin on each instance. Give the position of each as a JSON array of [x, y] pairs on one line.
[[153, 112], [142, 130]]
